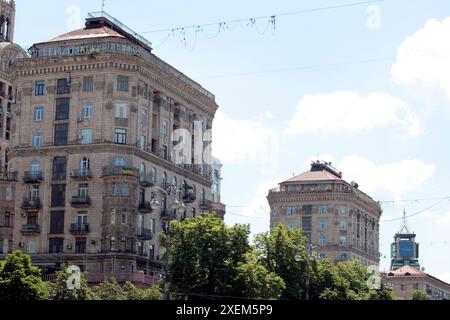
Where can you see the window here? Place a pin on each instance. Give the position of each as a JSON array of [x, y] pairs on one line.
[[323, 241], [62, 109], [343, 225], [56, 245], [114, 189], [121, 136], [322, 256], [62, 86], [37, 140], [58, 195], [86, 136], [122, 83], [61, 134], [124, 217], [34, 193], [416, 286], [31, 247], [307, 209], [121, 111], [194, 212], [80, 245], [292, 224], [343, 241], [126, 190], [113, 216], [119, 161], [403, 287], [85, 165], [88, 84], [323, 209], [344, 257], [8, 193], [7, 219], [59, 168], [57, 222], [322, 225], [343, 209], [88, 110], [38, 114], [142, 142], [306, 224], [83, 191], [35, 166], [82, 217], [144, 118], [165, 127], [153, 226], [291, 211], [151, 252], [39, 88]]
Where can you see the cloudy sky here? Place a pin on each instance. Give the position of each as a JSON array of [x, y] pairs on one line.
[[366, 87]]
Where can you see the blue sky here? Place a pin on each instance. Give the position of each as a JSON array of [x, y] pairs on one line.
[[384, 123]]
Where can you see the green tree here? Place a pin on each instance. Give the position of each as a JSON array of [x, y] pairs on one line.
[[110, 290], [20, 280], [60, 290], [419, 295], [134, 293], [283, 251], [209, 258]]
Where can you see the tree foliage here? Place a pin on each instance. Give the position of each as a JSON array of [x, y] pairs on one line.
[[419, 295], [20, 280], [60, 290], [209, 258]]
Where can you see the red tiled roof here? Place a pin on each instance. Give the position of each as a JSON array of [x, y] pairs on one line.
[[314, 176], [101, 32]]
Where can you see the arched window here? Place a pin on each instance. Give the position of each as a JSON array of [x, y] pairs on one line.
[[174, 181], [154, 175], [35, 166], [119, 161], [164, 179]]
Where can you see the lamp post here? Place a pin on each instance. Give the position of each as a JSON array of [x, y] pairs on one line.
[[298, 258], [176, 205]]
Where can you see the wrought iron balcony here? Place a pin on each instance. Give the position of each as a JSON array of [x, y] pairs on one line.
[[189, 197], [31, 204], [82, 174], [146, 181], [205, 204], [8, 176], [145, 207], [30, 229], [79, 229], [80, 202], [144, 234], [33, 177]]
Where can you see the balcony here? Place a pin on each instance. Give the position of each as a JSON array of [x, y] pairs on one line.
[[31, 204], [189, 197], [120, 171], [145, 207], [79, 229], [33, 177], [81, 202], [8, 176], [205, 204], [30, 229], [146, 181], [167, 214], [81, 175], [144, 234]]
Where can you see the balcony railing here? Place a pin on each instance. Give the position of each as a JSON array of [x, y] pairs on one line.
[[81, 174], [8, 176], [31, 204], [120, 171], [33, 177], [145, 207], [79, 229], [144, 234], [78, 201], [30, 229], [146, 181], [205, 204]]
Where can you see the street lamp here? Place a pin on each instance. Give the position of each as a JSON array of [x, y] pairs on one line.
[[178, 204], [309, 255]]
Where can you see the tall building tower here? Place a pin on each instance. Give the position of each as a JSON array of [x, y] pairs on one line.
[[404, 250], [98, 124], [9, 53], [336, 216]]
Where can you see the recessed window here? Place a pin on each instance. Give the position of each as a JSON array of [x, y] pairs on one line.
[[88, 110], [291, 211], [343, 209], [56, 245], [124, 217], [120, 136], [322, 225], [343, 225], [62, 109], [126, 190], [121, 111], [323, 241], [343, 240], [86, 136], [38, 114], [323, 209], [80, 245], [39, 88], [88, 84], [62, 86], [37, 140], [114, 189], [122, 83], [292, 224]]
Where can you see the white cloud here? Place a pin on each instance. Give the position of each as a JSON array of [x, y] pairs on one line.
[[445, 277], [425, 56], [347, 111], [386, 181], [248, 141]]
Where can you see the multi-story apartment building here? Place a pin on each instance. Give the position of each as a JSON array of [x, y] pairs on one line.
[[9, 52], [340, 220], [97, 126]]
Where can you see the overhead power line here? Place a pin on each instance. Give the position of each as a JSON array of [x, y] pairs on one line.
[[253, 19]]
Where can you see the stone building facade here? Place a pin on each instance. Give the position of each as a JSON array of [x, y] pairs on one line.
[[9, 52], [340, 220], [97, 126]]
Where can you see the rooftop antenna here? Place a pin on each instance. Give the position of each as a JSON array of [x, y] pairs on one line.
[[404, 225], [103, 5]]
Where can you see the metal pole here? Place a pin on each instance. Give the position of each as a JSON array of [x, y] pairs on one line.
[[308, 263], [167, 295]]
